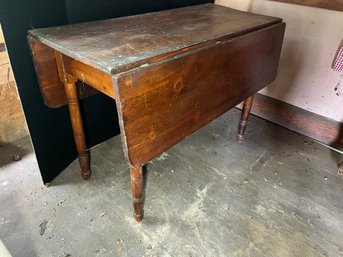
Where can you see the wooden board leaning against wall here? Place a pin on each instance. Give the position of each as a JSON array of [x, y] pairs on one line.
[[12, 120]]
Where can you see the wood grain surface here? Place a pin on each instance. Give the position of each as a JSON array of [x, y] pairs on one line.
[[327, 4], [159, 106], [116, 45], [52, 89], [12, 121], [299, 120], [87, 74]]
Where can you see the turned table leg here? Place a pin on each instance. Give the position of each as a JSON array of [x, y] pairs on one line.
[[77, 124], [244, 118], [137, 191]]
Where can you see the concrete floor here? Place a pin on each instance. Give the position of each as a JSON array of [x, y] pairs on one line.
[[277, 194]]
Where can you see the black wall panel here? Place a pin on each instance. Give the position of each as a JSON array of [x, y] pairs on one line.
[[79, 10]]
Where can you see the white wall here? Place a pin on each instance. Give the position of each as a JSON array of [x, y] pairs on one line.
[[305, 77]]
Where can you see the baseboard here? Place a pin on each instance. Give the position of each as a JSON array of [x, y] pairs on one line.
[[315, 126]]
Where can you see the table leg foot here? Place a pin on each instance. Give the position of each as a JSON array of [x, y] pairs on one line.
[[244, 118], [240, 138], [340, 169], [137, 192], [84, 164]]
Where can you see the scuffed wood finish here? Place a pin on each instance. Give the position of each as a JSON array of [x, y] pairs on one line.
[[50, 84], [137, 191], [160, 105], [327, 4], [117, 45], [170, 72], [244, 118], [75, 117], [85, 73], [51, 87]]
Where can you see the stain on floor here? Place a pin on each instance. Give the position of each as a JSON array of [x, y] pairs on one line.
[[277, 194]]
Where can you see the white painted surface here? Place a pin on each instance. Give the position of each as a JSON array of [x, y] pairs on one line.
[[305, 77]]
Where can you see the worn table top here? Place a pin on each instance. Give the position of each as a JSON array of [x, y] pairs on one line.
[[115, 45]]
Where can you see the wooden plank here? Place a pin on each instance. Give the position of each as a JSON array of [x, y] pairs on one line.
[[4, 58], [2, 47], [12, 121], [50, 85], [327, 4], [6, 74], [2, 39], [159, 105], [89, 75], [116, 45], [52, 88], [299, 120]]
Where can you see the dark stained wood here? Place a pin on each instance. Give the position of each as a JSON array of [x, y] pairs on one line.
[[98, 79], [51, 87], [75, 117], [327, 4], [244, 118], [299, 120], [170, 73], [50, 84], [137, 191], [116, 45], [160, 105]]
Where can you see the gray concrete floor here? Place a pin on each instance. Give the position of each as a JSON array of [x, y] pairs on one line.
[[277, 194]]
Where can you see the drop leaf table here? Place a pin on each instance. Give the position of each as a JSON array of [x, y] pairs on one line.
[[169, 72]]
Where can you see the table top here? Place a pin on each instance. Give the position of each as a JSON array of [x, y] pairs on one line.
[[119, 44]]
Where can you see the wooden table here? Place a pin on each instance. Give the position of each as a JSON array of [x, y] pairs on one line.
[[170, 73]]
